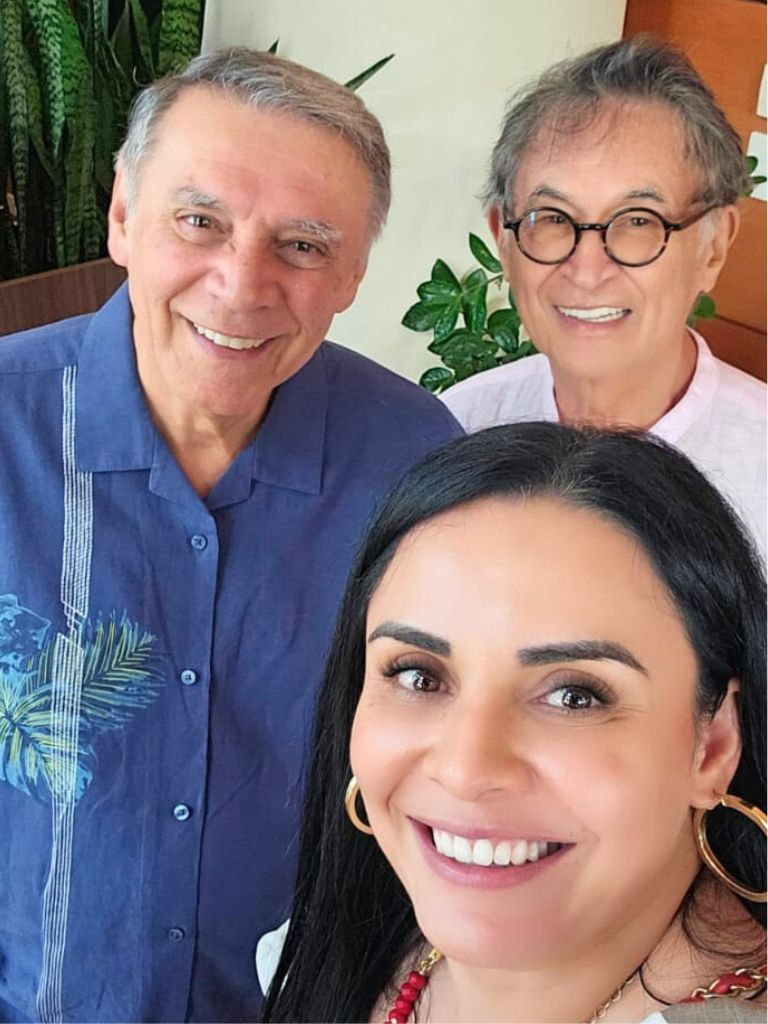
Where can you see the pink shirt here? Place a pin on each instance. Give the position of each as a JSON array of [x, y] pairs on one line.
[[719, 423]]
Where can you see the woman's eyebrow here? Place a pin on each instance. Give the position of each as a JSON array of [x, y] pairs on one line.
[[580, 650], [410, 635]]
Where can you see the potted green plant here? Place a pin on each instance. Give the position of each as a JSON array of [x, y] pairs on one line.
[[69, 70]]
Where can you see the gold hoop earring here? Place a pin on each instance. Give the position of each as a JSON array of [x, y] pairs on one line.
[[756, 815], [349, 802]]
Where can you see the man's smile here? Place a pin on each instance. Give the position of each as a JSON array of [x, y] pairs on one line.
[[228, 340], [594, 315]]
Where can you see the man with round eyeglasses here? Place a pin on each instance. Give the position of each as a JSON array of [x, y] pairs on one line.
[[612, 198], [633, 237]]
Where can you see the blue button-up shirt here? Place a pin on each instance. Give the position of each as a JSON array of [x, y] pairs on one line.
[[159, 655]]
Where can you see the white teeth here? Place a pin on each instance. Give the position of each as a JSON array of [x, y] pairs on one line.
[[601, 314], [226, 340], [501, 854], [484, 852], [520, 852], [462, 850]]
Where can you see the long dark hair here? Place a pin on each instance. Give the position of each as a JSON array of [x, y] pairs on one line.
[[352, 923]]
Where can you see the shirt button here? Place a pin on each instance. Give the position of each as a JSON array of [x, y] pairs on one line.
[[176, 934], [181, 812], [188, 677], [198, 541]]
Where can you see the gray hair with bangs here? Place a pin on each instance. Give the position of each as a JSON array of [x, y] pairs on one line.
[[569, 95]]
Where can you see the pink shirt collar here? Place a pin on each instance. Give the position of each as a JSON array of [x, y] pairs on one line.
[[699, 393]]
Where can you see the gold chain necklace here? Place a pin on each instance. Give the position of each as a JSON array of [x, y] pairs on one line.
[[410, 992]]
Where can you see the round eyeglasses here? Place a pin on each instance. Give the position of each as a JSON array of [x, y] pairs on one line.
[[633, 237]]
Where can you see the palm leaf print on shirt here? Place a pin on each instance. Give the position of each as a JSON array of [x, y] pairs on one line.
[[120, 677]]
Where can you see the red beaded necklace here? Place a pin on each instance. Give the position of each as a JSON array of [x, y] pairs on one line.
[[744, 980]]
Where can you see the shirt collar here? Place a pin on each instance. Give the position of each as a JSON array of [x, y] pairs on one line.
[[115, 430], [698, 395]]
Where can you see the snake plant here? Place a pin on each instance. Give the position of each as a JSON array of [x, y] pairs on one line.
[[69, 70]]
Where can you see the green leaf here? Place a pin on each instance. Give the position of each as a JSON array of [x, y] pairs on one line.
[[273, 47], [122, 41], [180, 32], [143, 43], [447, 320], [704, 308], [751, 163], [473, 304], [16, 60], [48, 17], [439, 345], [508, 319], [438, 290], [442, 272], [526, 348], [436, 379], [504, 328], [483, 255], [357, 81], [422, 316]]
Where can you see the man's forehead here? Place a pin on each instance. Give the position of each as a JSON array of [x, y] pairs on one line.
[[650, 135]]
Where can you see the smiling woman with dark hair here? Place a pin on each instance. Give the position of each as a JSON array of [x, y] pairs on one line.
[[547, 688]]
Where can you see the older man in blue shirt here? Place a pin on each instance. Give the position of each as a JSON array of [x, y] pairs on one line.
[[184, 478]]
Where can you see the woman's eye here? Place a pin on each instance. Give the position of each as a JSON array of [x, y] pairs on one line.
[[573, 698], [416, 680]]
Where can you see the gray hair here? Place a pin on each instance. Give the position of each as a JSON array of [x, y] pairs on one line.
[[263, 80], [568, 96]]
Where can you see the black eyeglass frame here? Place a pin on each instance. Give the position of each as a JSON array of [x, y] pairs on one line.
[[578, 229]]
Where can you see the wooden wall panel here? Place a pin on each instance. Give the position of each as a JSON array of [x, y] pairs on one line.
[[43, 298], [725, 40]]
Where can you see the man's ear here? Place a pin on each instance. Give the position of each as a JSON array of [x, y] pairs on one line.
[[495, 223], [724, 231], [718, 751], [117, 240]]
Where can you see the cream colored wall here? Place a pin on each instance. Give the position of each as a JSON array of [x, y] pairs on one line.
[[440, 100]]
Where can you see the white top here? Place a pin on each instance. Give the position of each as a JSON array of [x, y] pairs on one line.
[[719, 423]]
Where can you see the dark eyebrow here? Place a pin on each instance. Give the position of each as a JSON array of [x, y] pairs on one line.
[[580, 650], [189, 196], [409, 635]]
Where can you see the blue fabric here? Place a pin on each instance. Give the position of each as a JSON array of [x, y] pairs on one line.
[[158, 661]]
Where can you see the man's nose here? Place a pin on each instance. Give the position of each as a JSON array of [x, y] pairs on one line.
[[479, 753], [248, 278], [589, 265]]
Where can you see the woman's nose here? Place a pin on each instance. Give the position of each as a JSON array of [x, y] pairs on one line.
[[477, 753]]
